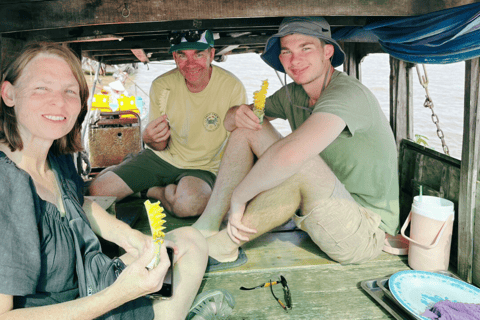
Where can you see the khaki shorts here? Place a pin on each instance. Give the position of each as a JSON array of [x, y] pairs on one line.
[[344, 230]]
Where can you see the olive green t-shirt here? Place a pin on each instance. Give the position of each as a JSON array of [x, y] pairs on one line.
[[364, 156], [197, 134]]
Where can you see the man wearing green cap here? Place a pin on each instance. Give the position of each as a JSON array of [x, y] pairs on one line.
[[186, 136], [335, 174]]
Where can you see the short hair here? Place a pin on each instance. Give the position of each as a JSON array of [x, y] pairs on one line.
[[9, 133]]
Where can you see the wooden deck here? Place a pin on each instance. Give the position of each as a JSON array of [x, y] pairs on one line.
[[320, 287]]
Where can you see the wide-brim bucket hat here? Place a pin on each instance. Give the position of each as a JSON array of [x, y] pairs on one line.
[[316, 27]]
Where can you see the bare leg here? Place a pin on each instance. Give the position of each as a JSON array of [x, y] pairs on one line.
[[109, 184], [237, 161], [187, 275], [187, 199], [270, 209]]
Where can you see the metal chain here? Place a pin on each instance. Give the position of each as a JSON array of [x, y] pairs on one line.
[[429, 104]]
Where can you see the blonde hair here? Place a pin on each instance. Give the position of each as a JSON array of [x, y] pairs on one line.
[[9, 133]]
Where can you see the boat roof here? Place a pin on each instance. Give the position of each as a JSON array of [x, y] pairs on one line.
[[118, 32]]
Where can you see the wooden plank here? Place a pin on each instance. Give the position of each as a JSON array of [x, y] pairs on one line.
[[141, 55], [352, 60], [329, 291], [37, 15], [469, 173], [476, 240], [437, 173], [319, 286], [155, 29], [401, 100], [165, 44]]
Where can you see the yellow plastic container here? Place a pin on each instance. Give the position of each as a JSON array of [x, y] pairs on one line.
[[101, 102], [127, 104]]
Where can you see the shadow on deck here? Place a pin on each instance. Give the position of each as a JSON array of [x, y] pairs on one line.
[[320, 287]]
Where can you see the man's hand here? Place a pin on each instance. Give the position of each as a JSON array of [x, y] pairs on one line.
[[242, 117], [157, 133], [235, 223]]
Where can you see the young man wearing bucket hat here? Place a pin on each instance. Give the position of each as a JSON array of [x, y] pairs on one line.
[[335, 174], [185, 137]]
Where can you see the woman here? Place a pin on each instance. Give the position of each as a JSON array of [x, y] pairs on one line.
[[44, 101]]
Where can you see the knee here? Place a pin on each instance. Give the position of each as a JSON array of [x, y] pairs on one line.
[[243, 134], [184, 208], [108, 184], [186, 204], [97, 186], [190, 240]]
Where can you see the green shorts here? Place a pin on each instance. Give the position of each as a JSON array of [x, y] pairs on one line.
[[145, 170]]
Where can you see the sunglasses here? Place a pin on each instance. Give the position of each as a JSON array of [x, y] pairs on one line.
[[190, 36], [286, 292]]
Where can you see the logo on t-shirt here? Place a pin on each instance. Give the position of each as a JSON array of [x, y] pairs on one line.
[[211, 121]]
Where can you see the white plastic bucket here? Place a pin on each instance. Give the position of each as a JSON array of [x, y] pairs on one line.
[[430, 233]]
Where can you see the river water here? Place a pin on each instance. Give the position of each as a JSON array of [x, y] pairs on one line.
[[446, 89]]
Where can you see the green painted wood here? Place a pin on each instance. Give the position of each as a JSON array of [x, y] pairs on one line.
[[469, 174], [401, 99], [437, 173]]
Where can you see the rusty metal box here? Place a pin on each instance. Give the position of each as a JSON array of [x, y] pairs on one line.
[[109, 141]]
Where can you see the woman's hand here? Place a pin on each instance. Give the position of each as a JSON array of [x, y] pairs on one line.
[[136, 243], [136, 280]]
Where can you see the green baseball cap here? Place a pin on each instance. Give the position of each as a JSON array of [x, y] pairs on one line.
[[191, 40]]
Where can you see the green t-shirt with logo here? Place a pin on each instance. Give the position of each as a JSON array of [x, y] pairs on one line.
[[197, 133], [364, 156]]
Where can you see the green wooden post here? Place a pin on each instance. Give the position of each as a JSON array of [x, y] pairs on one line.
[[352, 60], [401, 100], [469, 259]]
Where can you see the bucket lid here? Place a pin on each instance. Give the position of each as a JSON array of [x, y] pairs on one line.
[[433, 207]]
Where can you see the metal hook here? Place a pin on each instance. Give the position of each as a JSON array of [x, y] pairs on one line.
[[125, 11], [423, 79]]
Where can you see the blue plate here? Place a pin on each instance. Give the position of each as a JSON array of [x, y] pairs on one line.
[[418, 291]]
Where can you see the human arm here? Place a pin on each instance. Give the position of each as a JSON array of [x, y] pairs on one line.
[[110, 228], [135, 281], [157, 133], [282, 160], [21, 267]]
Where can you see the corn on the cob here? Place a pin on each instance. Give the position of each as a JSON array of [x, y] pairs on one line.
[[259, 101], [155, 218]]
